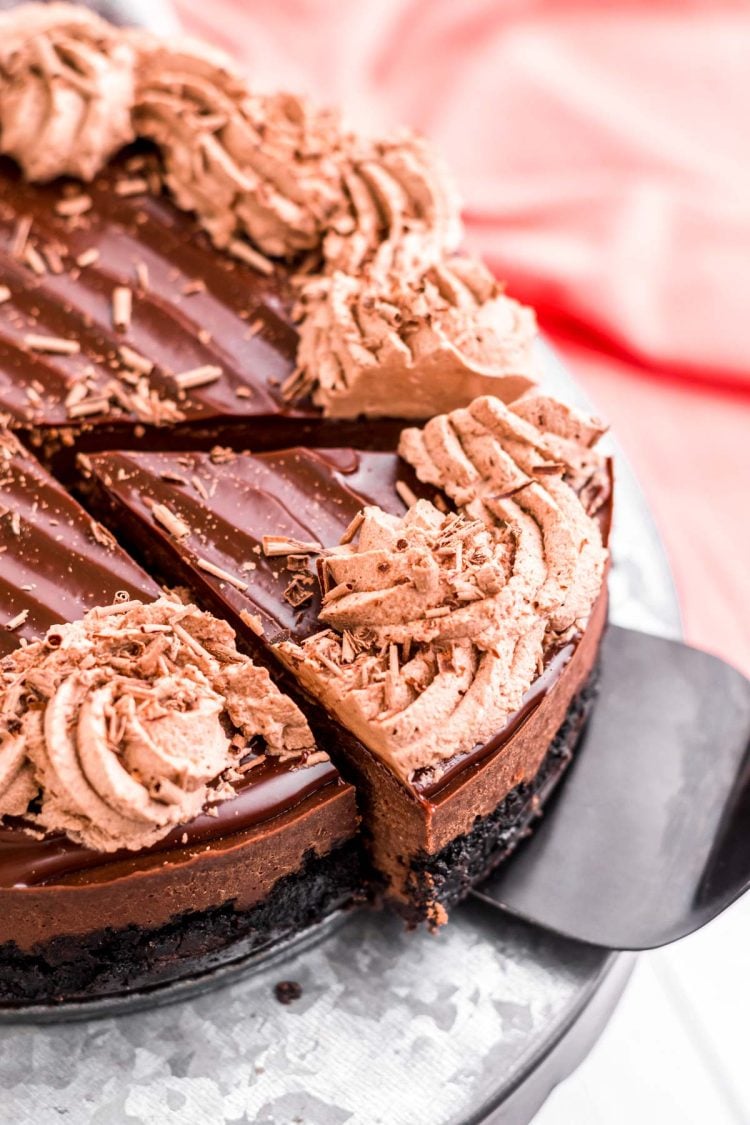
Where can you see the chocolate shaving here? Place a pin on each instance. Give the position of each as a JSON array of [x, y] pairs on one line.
[[221, 455], [552, 468], [278, 545], [167, 518], [298, 591], [135, 360], [17, 621], [73, 206], [251, 257], [352, 528], [122, 307], [223, 575], [20, 237], [198, 377], [136, 185], [407, 494], [34, 260], [54, 345], [252, 621], [88, 257], [54, 260], [102, 536], [298, 562]]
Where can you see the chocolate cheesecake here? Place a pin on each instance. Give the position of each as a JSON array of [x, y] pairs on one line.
[[412, 558], [446, 641]]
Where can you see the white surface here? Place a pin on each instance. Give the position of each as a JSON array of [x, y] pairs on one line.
[[676, 1050]]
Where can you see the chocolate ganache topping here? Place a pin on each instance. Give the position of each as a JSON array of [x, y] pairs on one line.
[[391, 321], [438, 621], [118, 727]]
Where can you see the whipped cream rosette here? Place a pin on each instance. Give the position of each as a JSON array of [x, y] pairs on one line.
[[120, 726], [66, 90], [394, 342], [261, 168]]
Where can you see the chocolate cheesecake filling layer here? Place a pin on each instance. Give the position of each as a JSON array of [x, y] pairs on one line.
[[263, 792], [239, 865]]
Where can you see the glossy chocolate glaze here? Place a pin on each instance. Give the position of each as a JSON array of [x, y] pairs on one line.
[[264, 791], [310, 495], [52, 564], [239, 321]]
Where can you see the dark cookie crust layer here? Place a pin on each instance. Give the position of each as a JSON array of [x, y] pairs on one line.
[[448, 876], [114, 961]]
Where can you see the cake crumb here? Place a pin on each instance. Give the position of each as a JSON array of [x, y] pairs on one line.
[[287, 991]]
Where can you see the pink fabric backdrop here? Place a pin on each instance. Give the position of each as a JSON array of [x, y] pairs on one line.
[[602, 153]]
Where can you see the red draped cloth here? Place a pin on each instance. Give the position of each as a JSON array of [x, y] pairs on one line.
[[603, 154]]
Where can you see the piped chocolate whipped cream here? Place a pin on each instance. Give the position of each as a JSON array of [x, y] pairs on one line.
[[439, 621], [67, 86], [419, 344], [370, 225], [284, 175], [260, 168], [117, 727]]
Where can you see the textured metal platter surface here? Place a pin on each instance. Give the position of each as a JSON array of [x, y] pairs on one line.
[[391, 1027], [474, 1024]]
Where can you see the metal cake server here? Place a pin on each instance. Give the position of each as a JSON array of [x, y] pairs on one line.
[[649, 836]]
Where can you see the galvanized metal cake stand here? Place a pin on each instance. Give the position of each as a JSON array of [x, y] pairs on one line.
[[475, 1024]]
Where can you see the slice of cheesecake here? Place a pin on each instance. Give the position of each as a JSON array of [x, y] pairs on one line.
[[441, 610]]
